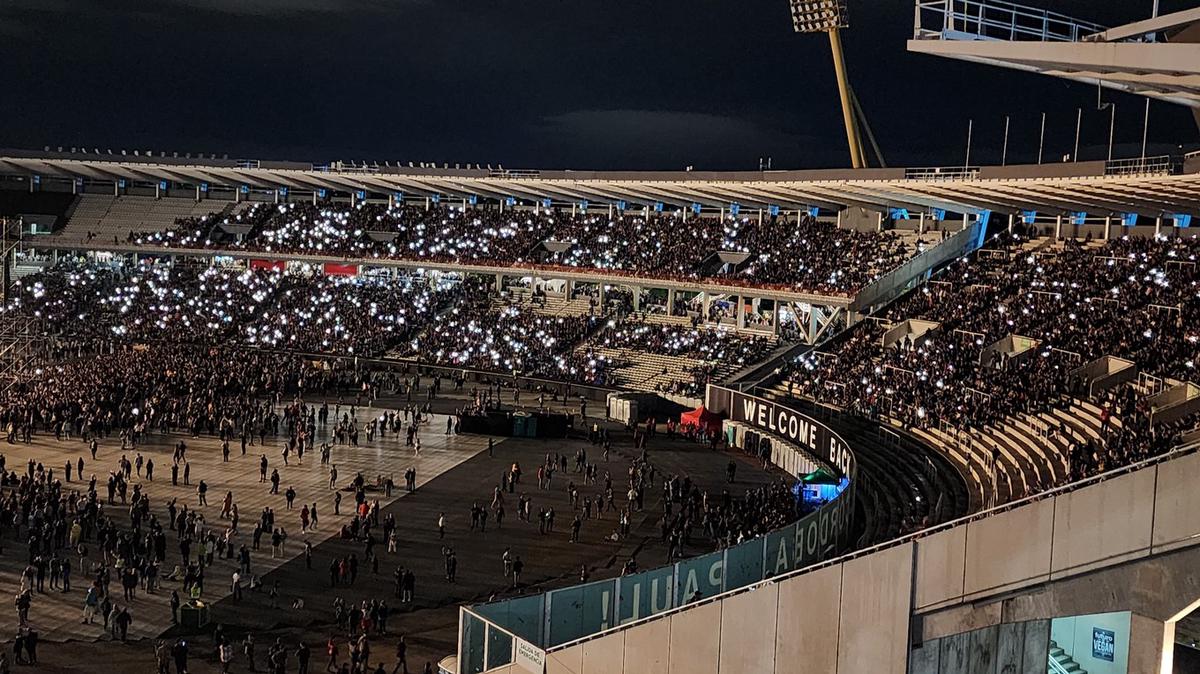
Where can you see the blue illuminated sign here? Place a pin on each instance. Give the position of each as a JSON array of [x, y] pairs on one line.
[[121, 183], [546, 203], [898, 213], [938, 214], [1027, 217], [735, 208], [510, 201], [696, 208], [162, 184], [658, 207], [814, 211], [583, 205], [1183, 220], [1130, 219], [773, 210], [362, 195], [621, 205], [321, 193], [283, 191], [204, 188], [1078, 218], [245, 189], [435, 198]]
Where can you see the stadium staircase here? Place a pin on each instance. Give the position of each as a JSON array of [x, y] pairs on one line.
[[903, 484], [1061, 663]]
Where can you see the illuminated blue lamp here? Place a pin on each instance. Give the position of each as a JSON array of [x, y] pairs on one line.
[[510, 201], [814, 211], [435, 198], [321, 193], [1182, 220], [162, 184], [773, 210], [1027, 217], [245, 189], [283, 191], [898, 213], [658, 207], [583, 205], [1130, 219], [546, 203], [938, 214], [621, 205], [1078, 218], [735, 208], [696, 208], [204, 188]]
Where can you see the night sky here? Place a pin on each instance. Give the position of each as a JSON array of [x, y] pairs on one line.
[[633, 84]]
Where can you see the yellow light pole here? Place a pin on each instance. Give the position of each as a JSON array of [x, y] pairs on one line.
[[829, 16]]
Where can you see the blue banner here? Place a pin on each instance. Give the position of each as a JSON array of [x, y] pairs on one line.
[[644, 594]]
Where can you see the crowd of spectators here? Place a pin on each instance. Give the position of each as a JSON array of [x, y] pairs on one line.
[[1131, 298], [271, 309], [807, 254]]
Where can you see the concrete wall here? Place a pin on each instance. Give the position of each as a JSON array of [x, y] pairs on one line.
[[1014, 648], [855, 616], [828, 622]]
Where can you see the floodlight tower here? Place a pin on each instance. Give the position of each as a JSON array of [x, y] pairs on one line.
[[829, 16]]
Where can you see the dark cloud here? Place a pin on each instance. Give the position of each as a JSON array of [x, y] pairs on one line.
[[580, 83]]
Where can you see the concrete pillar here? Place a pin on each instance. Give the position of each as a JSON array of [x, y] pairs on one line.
[[1058, 227], [1107, 227], [353, 198], [116, 188], [1151, 645], [706, 304], [464, 203], [197, 191], [722, 213], [314, 199], [921, 223], [646, 212], [601, 286], [610, 211], [501, 205], [426, 203], [879, 221], [741, 312], [499, 282], [276, 196], [670, 301], [966, 220], [573, 207], [637, 298], [775, 317], [569, 288], [1012, 218], [1157, 225], [760, 217]]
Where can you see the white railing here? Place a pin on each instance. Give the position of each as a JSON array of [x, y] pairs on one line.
[[996, 20], [942, 173], [1157, 166]]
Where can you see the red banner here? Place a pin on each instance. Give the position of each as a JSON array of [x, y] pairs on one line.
[[333, 269]]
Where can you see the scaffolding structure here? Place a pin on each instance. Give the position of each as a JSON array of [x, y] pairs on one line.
[[21, 337]]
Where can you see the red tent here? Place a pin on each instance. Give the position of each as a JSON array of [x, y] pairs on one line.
[[702, 418]]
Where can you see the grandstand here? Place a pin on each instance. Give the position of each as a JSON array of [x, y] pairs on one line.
[[970, 391]]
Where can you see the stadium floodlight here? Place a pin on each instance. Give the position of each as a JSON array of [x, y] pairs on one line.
[[829, 16], [818, 16]]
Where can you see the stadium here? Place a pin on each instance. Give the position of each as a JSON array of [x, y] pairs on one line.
[[922, 420]]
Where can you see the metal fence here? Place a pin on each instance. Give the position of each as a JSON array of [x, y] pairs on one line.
[[996, 20]]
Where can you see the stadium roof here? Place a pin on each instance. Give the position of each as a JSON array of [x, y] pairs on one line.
[[1128, 58], [1148, 188]]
